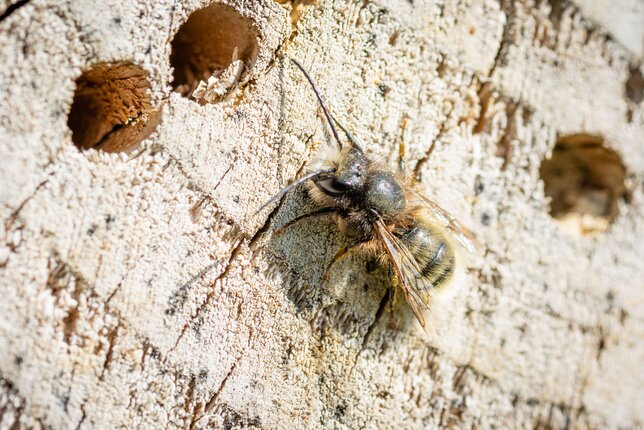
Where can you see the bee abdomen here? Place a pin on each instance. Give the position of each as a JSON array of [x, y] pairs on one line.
[[433, 254]]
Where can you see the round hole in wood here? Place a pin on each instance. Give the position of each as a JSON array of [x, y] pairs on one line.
[[111, 110], [213, 40], [585, 181]]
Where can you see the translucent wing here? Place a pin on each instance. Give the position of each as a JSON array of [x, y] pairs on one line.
[[416, 287], [440, 215]]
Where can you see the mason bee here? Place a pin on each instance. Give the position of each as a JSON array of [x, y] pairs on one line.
[[384, 213]]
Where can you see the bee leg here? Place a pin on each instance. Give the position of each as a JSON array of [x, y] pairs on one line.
[[392, 296], [401, 158], [341, 253], [402, 148], [392, 288], [315, 213]]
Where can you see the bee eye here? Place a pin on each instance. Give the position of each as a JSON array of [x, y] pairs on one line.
[[340, 185], [333, 187]]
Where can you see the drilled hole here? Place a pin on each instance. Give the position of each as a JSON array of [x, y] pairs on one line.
[[111, 110], [215, 41], [585, 182]]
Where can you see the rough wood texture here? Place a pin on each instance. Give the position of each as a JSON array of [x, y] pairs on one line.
[[139, 291]]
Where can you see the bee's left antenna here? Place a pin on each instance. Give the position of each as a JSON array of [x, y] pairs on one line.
[[324, 109]]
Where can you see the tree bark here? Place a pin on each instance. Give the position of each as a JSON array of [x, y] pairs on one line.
[[139, 289]]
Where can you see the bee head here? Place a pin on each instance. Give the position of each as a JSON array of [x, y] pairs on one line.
[[349, 176]]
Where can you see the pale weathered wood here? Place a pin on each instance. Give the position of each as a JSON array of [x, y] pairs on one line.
[[138, 290]]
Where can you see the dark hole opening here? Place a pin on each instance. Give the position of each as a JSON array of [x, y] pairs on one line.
[[111, 110], [585, 182], [205, 44]]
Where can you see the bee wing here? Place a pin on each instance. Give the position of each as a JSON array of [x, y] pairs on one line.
[[440, 215], [416, 287]]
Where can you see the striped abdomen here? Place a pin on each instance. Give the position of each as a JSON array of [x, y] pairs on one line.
[[434, 255]]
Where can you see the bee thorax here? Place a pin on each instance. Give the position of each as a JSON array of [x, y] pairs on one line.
[[384, 194]]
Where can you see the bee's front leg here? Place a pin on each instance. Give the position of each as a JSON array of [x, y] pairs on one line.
[[318, 212]]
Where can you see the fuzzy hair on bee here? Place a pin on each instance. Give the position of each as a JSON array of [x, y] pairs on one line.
[[384, 213]]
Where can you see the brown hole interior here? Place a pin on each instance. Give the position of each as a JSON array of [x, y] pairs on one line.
[[111, 110], [585, 181], [204, 45]]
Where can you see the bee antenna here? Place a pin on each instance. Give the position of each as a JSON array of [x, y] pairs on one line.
[[324, 109], [352, 139], [315, 176]]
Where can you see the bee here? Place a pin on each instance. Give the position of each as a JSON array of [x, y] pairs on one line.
[[384, 213]]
